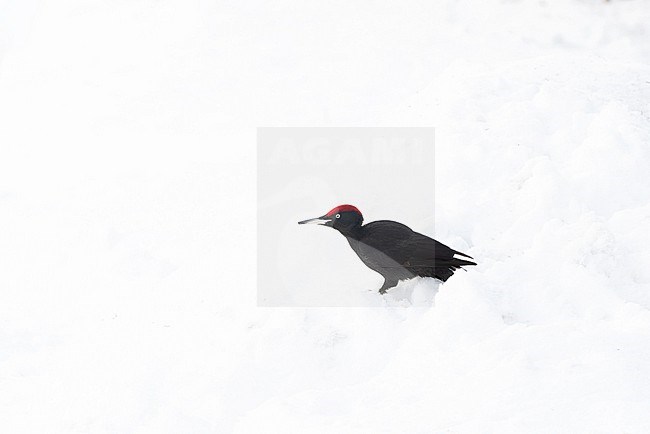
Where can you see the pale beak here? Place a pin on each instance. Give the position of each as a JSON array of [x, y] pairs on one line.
[[317, 221]]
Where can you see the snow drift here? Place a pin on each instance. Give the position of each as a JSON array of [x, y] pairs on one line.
[[127, 192]]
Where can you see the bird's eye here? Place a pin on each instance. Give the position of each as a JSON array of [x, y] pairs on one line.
[[338, 216]]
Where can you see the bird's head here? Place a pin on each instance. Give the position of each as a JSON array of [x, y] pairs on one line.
[[342, 218]]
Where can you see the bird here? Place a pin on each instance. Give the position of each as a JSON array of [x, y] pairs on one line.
[[392, 249]]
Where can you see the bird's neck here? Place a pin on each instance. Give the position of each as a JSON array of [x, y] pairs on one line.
[[354, 232]]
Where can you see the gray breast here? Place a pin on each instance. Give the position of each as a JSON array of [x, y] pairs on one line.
[[378, 260]]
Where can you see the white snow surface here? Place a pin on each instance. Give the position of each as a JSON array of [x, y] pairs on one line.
[[127, 216]]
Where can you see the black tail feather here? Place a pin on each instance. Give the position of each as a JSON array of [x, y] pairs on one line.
[[456, 252]]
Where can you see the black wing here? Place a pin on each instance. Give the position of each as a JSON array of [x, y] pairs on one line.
[[410, 250]]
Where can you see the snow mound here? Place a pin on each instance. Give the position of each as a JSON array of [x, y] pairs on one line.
[[127, 229], [416, 292]]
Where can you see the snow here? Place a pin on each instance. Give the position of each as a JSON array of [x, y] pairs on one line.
[[128, 208]]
